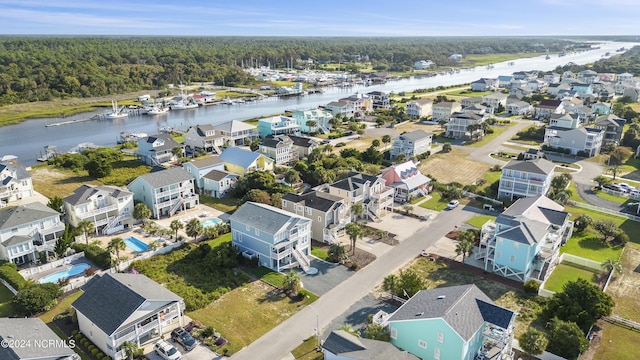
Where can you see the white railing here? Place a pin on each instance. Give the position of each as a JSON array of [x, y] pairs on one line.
[[99, 211], [175, 206], [29, 272], [6, 284], [605, 210], [115, 221], [387, 296], [302, 260], [591, 264]]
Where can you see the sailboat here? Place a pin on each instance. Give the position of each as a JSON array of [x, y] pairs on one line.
[[116, 113]]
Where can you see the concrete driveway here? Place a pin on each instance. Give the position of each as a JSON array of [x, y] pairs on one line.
[[201, 352], [329, 276]]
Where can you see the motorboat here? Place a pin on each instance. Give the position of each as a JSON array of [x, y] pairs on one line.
[[116, 113], [157, 110]]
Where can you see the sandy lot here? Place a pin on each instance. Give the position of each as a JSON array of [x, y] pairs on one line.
[[625, 288], [453, 166]]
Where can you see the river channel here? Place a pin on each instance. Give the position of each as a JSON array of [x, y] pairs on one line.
[[27, 139]]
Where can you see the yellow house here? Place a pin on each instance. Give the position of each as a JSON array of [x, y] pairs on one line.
[[240, 161]]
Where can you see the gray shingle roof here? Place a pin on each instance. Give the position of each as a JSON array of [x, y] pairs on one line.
[[16, 239], [217, 175], [348, 346], [302, 141], [415, 135], [526, 232], [25, 214], [234, 126], [464, 307], [549, 104], [206, 162], [537, 208], [354, 181], [265, 218], [110, 299], [314, 199], [166, 177], [83, 194], [169, 143], [30, 331], [537, 166], [20, 171]]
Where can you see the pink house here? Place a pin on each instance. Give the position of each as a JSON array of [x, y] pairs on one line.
[[406, 180]]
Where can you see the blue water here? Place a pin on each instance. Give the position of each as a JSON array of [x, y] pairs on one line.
[[135, 244], [210, 222], [61, 275]]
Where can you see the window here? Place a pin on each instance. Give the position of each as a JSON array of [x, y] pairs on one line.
[[436, 353], [516, 245], [319, 219], [440, 337], [394, 332], [284, 203], [422, 344], [512, 259], [309, 210]]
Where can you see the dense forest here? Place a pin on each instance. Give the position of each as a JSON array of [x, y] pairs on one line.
[[627, 62], [48, 68]]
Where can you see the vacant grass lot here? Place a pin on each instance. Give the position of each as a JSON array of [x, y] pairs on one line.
[[618, 343], [563, 273], [6, 306], [497, 130], [632, 228], [479, 220], [436, 202], [625, 287], [589, 245], [307, 350], [227, 204], [453, 166]]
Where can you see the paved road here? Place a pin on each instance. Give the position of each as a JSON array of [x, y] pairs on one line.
[[278, 342], [482, 153]]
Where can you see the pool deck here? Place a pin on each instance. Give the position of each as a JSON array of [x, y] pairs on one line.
[[40, 275]]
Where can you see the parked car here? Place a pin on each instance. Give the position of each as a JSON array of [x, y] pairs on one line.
[[182, 337], [452, 204], [626, 186], [166, 350], [613, 187]]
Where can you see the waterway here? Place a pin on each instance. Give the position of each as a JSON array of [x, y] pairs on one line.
[[27, 139]]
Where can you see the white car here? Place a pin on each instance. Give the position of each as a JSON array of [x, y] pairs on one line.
[[626, 186], [166, 350], [452, 204]]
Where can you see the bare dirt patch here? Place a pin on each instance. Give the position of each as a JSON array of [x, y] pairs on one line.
[[453, 166], [412, 126], [625, 287]]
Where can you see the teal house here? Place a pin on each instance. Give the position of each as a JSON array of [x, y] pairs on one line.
[[453, 323]]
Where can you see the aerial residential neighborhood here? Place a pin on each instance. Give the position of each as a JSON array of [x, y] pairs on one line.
[[319, 194]]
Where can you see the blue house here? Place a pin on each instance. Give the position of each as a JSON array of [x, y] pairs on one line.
[[320, 116], [279, 239], [581, 88], [277, 125], [456, 322], [524, 241]]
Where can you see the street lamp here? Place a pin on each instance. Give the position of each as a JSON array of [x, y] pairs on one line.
[[317, 329]]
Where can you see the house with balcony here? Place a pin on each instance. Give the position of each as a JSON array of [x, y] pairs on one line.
[[548, 107], [460, 122], [165, 192], [411, 144], [303, 145], [581, 141], [15, 182], [379, 100], [118, 307], [406, 180], [236, 133], [108, 208], [20, 338], [280, 149], [362, 103], [587, 76], [277, 125], [341, 345], [524, 241], [157, 149], [565, 121], [420, 108], [518, 107], [525, 178], [444, 110], [612, 127], [343, 108], [201, 167], [485, 84], [203, 137], [455, 322], [306, 119], [328, 213], [551, 78], [218, 183], [280, 240], [370, 191], [494, 101], [240, 161], [28, 229], [471, 101]]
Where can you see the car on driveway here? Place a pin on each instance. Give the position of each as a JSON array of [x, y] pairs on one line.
[[182, 337], [452, 204], [166, 350]]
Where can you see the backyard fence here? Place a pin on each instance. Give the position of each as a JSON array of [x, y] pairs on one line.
[[6, 284], [27, 273], [386, 296], [605, 210], [594, 265], [618, 320]]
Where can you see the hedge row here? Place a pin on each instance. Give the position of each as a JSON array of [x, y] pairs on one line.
[[9, 272], [97, 255]]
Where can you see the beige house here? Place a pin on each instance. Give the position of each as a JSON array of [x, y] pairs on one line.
[[108, 208], [328, 213], [444, 110], [420, 108], [370, 191]]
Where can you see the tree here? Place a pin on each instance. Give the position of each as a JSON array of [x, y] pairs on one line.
[[390, 283], [607, 229], [36, 298], [257, 195], [376, 143], [601, 180], [141, 212], [354, 231], [336, 253], [194, 229], [446, 147], [292, 176], [177, 152], [582, 222], [442, 123], [562, 196], [131, 349], [56, 204], [64, 241], [408, 208], [115, 246], [619, 156], [566, 339], [86, 228], [357, 209], [580, 302], [210, 232], [560, 182], [175, 226], [386, 139], [377, 332], [410, 283], [610, 265], [328, 148], [533, 342], [464, 246], [291, 283], [98, 167], [614, 170], [311, 124]]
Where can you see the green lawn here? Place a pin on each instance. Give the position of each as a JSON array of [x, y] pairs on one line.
[[320, 253], [6, 306], [589, 246], [227, 204], [497, 130], [63, 305], [267, 275], [436, 202], [563, 273], [574, 193], [480, 220], [467, 93], [416, 200], [632, 228], [618, 343], [307, 350], [613, 198]]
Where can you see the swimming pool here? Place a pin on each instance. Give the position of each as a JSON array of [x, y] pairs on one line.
[[65, 274], [135, 244], [210, 222]]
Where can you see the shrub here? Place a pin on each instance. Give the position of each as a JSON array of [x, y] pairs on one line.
[[354, 266], [9, 273], [74, 333], [97, 255], [36, 298], [90, 271], [94, 352], [531, 286]]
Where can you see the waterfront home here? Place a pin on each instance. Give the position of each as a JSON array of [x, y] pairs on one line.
[[32, 339], [581, 141], [157, 149], [201, 167], [303, 145], [370, 191], [525, 178], [444, 110], [277, 125], [524, 241], [587, 76], [28, 229], [411, 144], [15, 182], [237, 133], [612, 127], [454, 322], [165, 192], [420, 108], [241, 161], [485, 84], [115, 308], [279, 239], [406, 180], [504, 81], [203, 137], [306, 119], [108, 208], [361, 102], [280, 149], [422, 64], [341, 345], [328, 213]]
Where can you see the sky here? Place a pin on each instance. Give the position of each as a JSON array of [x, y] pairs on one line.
[[321, 17]]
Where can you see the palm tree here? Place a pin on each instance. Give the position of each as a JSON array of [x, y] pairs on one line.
[[194, 228], [613, 169], [354, 231], [177, 152], [130, 349], [612, 265], [563, 196], [465, 244], [390, 283], [86, 228], [601, 180], [386, 139], [357, 209], [175, 226], [376, 143], [336, 252], [311, 124], [141, 212], [291, 282], [328, 148], [115, 246]]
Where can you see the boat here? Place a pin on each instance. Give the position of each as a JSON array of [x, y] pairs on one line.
[[184, 104], [127, 136], [116, 113], [511, 63], [548, 57], [157, 109]]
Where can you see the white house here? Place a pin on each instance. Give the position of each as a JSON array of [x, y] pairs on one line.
[[165, 191], [420, 108], [422, 64], [370, 191], [411, 144], [280, 149], [458, 125], [157, 149], [406, 180], [525, 178], [204, 137], [444, 110], [494, 101], [580, 141], [108, 208], [15, 182], [237, 132]]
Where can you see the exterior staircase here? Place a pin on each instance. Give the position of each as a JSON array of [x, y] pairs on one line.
[[217, 149], [302, 259], [175, 206], [323, 129], [372, 215], [114, 222]]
